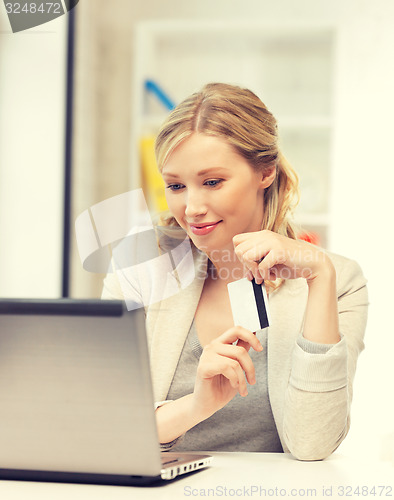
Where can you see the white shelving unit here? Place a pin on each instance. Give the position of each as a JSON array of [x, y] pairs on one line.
[[289, 66]]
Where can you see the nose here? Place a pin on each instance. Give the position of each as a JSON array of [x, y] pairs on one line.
[[195, 204]]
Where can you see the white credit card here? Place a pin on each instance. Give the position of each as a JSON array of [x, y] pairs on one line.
[[249, 304]]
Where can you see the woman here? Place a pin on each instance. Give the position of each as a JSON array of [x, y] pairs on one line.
[[285, 388]]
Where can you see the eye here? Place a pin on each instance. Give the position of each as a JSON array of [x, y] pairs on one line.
[[175, 187], [213, 182]]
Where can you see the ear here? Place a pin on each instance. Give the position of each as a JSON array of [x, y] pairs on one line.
[[268, 177]]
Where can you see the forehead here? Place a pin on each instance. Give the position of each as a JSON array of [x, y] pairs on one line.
[[200, 152]]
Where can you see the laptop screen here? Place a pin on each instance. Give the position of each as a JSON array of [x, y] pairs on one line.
[[75, 388]]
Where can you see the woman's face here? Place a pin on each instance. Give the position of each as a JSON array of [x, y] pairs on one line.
[[212, 192]]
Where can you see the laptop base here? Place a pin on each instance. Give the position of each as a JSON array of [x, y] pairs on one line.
[[78, 478]]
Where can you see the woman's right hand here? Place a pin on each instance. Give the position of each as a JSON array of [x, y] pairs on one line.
[[223, 370]]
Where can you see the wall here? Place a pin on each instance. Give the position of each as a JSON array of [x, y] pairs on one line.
[[32, 118], [362, 193]]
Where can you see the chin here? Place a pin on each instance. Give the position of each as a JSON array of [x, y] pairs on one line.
[[212, 248]]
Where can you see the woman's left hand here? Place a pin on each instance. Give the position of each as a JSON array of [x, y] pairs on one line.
[[268, 255]]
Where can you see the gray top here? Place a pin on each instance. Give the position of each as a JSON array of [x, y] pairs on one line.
[[244, 424]]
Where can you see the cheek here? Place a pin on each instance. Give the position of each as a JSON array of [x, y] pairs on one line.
[[176, 208], [243, 207], [240, 202], [231, 202], [172, 202]]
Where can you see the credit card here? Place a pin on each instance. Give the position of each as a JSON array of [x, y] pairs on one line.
[[249, 304]]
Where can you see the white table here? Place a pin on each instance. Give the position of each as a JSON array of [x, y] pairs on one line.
[[238, 475]]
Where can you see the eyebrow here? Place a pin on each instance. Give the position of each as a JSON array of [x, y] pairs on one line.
[[200, 174]]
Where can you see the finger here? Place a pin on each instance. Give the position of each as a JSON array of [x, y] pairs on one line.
[[251, 258], [236, 378], [252, 271], [241, 237], [237, 333], [250, 250], [211, 366], [226, 367], [257, 276], [256, 253], [267, 264], [240, 251], [240, 356], [245, 345], [232, 376], [249, 275]]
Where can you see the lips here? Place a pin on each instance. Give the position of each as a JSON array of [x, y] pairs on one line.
[[203, 228]]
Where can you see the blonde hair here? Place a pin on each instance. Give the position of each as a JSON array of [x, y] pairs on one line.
[[241, 118]]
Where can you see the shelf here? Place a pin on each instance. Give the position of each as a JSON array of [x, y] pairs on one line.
[[152, 123], [257, 30]]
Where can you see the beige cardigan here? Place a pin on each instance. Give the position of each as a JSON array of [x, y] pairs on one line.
[[310, 394]]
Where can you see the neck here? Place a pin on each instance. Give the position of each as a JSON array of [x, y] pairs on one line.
[[225, 266]]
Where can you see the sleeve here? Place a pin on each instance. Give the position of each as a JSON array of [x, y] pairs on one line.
[[320, 388], [111, 288], [128, 278], [118, 286]]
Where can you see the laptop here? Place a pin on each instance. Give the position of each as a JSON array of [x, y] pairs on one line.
[[76, 397]]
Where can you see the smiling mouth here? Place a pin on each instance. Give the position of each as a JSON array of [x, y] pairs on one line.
[[202, 229], [206, 224]]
